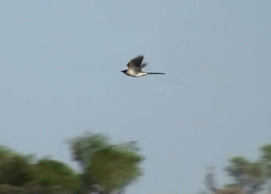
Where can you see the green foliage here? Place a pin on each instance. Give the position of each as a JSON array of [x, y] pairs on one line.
[[84, 146], [50, 172], [238, 166], [23, 171], [6, 153], [251, 173], [105, 166], [109, 165], [254, 170], [266, 159], [14, 168], [260, 169], [266, 152], [112, 167]]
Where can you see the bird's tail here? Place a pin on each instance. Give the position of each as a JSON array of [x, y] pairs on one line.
[[155, 73]]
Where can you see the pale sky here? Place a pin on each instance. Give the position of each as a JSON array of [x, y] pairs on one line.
[[60, 63]]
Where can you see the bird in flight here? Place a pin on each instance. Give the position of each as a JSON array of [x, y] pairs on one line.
[[135, 67]]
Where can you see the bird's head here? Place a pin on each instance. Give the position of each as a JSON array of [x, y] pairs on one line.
[[124, 71]]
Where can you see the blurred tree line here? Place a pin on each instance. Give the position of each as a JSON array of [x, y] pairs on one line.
[[105, 168], [249, 177]]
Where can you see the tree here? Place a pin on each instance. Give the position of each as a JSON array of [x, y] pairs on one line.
[[14, 168], [246, 174], [266, 159], [252, 174], [266, 163], [15, 171], [237, 168], [21, 173], [49, 172], [110, 166], [83, 147], [249, 176]]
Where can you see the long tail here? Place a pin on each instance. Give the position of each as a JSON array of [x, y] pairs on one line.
[[155, 73]]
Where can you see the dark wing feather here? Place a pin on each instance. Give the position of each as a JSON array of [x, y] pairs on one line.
[[143, 65], [136, 62]]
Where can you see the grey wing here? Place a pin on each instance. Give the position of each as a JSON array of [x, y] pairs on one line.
[[135, 63], [143, 65]]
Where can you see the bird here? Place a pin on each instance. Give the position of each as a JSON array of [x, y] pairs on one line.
[[135, 67]]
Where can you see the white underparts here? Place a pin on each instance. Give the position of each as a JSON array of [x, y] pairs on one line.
[[140, 74]]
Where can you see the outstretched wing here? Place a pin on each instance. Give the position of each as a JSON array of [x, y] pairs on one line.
[[143, 65], [135, 63]]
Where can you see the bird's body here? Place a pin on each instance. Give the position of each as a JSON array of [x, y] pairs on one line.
[[134, 73], [135, 68]]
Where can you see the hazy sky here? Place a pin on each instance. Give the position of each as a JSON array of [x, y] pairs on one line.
[[60, 64]]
